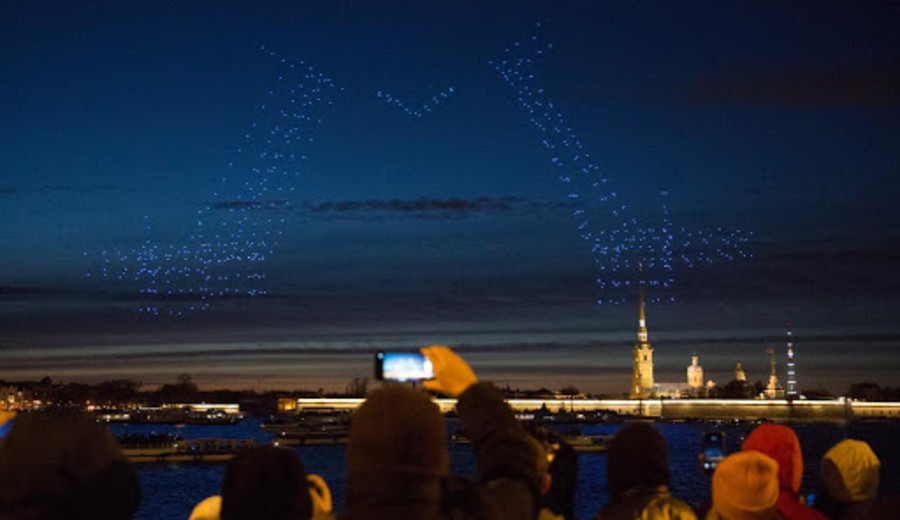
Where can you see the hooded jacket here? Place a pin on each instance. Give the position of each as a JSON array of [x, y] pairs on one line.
[[849, 474], [398, 463], [638, 473], [745, 487], [781, 444]]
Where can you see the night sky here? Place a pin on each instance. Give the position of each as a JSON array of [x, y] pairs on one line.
[[441, 217]]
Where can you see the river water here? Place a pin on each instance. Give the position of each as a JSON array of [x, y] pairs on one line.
[[171, 490]]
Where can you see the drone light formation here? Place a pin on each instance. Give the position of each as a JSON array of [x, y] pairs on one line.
[[424, 109], [619, 243], [239, 228]]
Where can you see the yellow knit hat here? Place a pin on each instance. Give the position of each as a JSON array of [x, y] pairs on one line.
[[850, 472], [208, 509], [745, 486]]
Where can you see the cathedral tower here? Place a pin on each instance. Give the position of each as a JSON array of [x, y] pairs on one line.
[[695, 374], [642, 385]]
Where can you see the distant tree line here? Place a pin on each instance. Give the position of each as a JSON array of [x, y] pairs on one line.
[[873, 392]]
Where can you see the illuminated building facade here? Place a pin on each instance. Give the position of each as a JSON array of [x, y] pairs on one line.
[[12, 398], [695, 374]]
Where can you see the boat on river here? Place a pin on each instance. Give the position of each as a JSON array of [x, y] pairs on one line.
[[310, 428], [579, 443], [168, 448]]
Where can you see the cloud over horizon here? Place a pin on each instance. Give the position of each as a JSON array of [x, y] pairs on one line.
[[425, 208], [876, 86]]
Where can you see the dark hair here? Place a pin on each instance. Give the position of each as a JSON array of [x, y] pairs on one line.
[[637, 458], [62, 464], [266, 482]]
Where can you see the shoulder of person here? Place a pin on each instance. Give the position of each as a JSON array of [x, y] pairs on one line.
[[667, 506]]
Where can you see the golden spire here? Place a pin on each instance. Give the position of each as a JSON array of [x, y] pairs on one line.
[[642, 313]]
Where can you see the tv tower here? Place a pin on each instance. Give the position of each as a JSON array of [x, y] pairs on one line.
[[791, 370]]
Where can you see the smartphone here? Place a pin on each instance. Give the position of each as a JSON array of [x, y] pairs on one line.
[[402, 366], [712, 451]]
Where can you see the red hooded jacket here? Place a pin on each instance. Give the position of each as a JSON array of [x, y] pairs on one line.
[[782, 444]]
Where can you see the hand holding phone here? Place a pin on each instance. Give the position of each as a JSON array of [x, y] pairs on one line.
[[452, 375]]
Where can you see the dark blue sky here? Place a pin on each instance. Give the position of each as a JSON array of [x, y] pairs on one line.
[[780, 118]]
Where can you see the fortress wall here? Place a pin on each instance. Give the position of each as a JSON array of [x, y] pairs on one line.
[[754, 409], [875, 410], [714, 409]]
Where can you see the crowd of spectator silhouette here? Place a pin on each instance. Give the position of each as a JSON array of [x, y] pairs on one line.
[[63, 465]]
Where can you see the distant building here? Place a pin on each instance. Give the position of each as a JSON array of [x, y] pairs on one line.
[[287, 405], [13, 398], [8, 396], [642, 385], [695, 386], [672, 390], [695, 373], [739, 374]]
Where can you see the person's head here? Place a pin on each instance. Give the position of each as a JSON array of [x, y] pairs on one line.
[[745, 487], [210, 508], [398, 433], [850, 472], [782, 445], [637, 459], [62, 464], [266, 482]]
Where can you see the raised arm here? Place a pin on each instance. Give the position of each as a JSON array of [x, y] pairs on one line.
[[506, 455]]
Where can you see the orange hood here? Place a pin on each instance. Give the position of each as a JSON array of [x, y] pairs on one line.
[[780, 443]]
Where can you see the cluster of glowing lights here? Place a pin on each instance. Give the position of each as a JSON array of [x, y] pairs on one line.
[[619, 243], [423, 109], [239, 228]]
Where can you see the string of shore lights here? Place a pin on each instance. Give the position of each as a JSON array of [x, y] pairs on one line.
[[619, 242], [236, 232]]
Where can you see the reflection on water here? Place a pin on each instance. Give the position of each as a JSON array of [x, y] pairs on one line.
[[170, 491]]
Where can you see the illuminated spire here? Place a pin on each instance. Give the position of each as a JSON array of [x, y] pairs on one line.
[[642, 313], [739, 374], [642, 379], [791, 371]]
